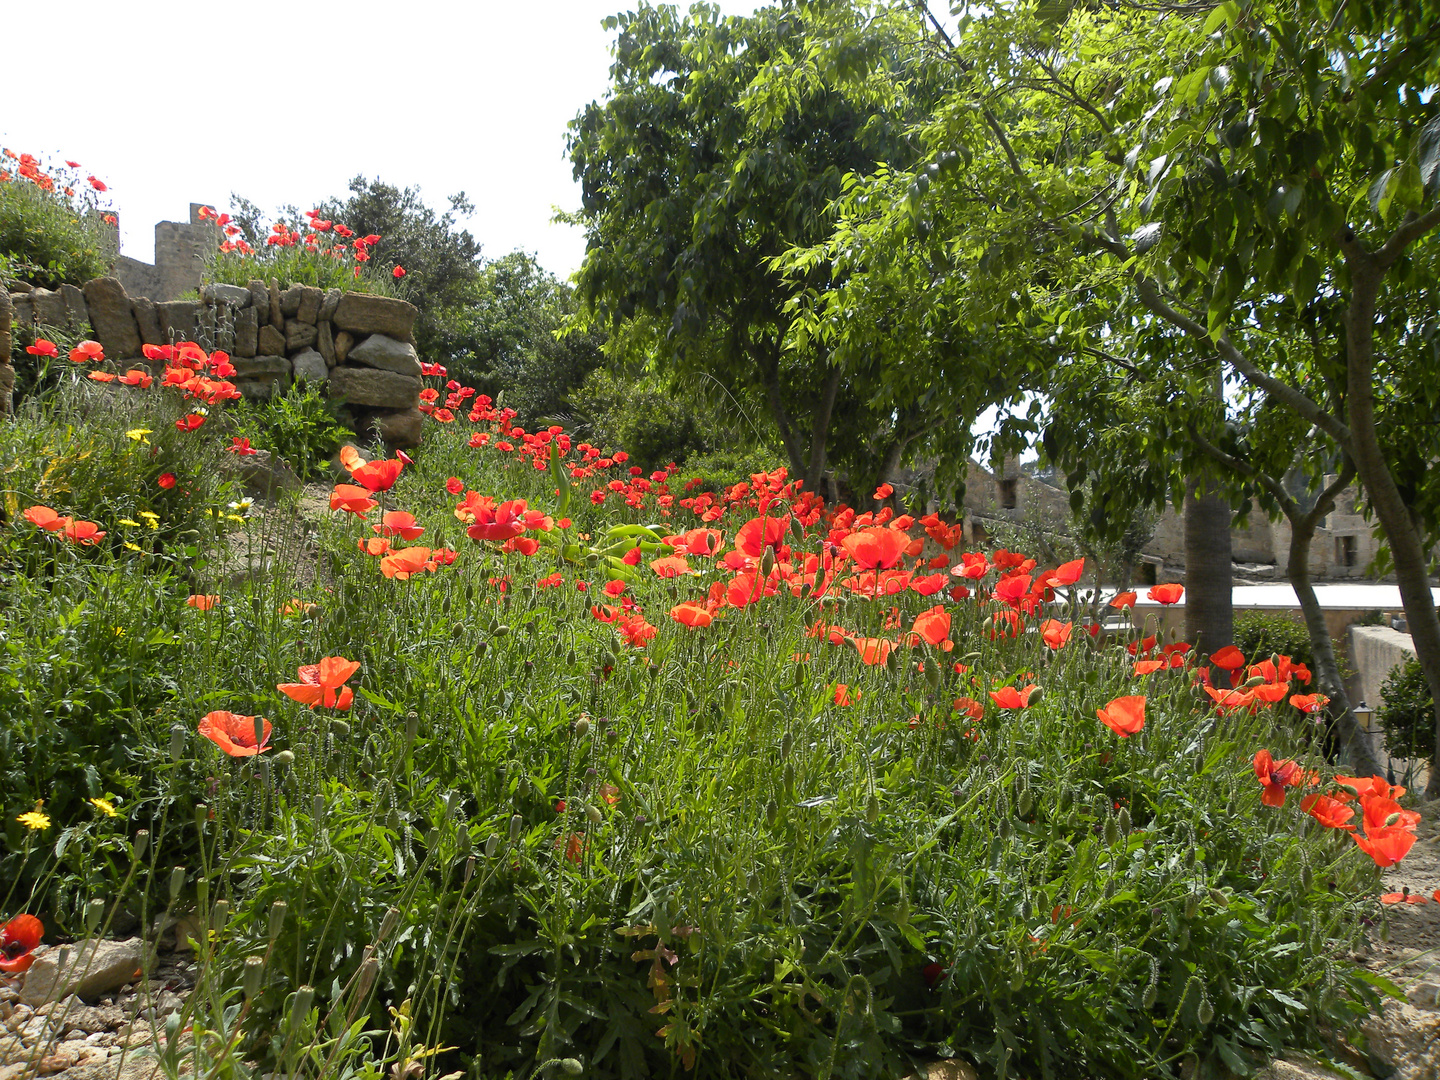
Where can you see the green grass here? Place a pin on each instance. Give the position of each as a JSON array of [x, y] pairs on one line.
[[679, 858]]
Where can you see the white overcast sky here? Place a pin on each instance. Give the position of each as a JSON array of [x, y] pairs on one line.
[[170, 103]]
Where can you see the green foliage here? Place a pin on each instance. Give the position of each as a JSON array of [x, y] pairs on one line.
[[301, 426], [49, 238], [39, 377], [1262, 634], [1408, 716]]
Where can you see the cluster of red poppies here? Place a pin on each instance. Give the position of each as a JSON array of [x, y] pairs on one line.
[[28, 168]]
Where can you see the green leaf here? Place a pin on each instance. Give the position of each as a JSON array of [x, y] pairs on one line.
[[1306, 281], [378, 701], [1427, 151]]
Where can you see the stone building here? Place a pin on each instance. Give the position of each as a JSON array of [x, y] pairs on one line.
[[181, 248]]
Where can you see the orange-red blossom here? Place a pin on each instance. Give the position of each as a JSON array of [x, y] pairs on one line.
[[323, 684]]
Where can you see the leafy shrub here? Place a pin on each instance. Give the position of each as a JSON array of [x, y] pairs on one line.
[[1259, 634], [1408, 716], [302, 426], [40, 376], [52, 226]]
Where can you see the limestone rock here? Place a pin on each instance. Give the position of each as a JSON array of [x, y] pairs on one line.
[[23, 309], [290, 300], [147, 320], [299, 335], [263, 389], [237, 296], [260, 367], [260, 300], [269, 342], [310, 300], [49, 307], [111, 317], [380, 351], [178, 320], [277, 315], [344, 342], [7, 373], [261, 474], [371, 386], [400, 430], [310, 366], [328, 305], [86, 970], [326, 341], [76, 313], [364, 313], [247, 332]]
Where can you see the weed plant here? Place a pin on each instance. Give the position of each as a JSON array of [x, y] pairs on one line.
[[791, 811]]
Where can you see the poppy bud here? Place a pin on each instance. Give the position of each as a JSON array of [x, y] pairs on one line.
[[594, 814], [1152, 988], [311, 612], [767, 562], [387, 924], [254, 972], [786, 744], [480, 649], [1005, 827], [1219, 898], [1123, 821], [463, 843], [1025, 803], [365, 978], [445, 605], [516, 824], [1112, 832], [1205, 1012], [412, 729], [457, 631], [392, 820], [1035, 695], [1256, 680], [469, 591], [140, 844], [607, 659], [94, 911], [988, 624], [788, 776], [432, 838], [300, 1005], [317, 809], [1307, 879], [772, 812], [219, 915], [1110, 888], [582, 727], [570, 658], [1192, 906], [492, 843], [177, 882], [277, 918], [178, 736], [469, 871], [872, 809], [571, 1066], [796, 529], [932, 674], [1017, 979], [285, 757], [501, 631], [800, 674], [892, 662], [340, 729]]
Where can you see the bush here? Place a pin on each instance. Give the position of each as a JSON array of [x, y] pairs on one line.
[[1260, 634], [302, 426], [53, 229], [1408, 716]]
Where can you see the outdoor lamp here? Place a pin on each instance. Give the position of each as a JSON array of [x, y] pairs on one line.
[[1364, 714]]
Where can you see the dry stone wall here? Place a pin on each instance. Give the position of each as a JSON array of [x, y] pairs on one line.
[[358, 346]]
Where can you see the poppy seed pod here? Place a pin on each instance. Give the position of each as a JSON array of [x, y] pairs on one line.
[[463, 843], [480, 649], [219, 915], [872, 809], [892, 662], [582, 727], [340, 729], [767, 562], [1254, 680], [502, 631], [177, 882], [387, 924], [140, 844], [254, 973], [796, 529], [1192, 906], [1024, 803], [94, 912], [492, 844], [178, 735], [1205, 1013], [1112, 832], [278, 911], [317, 808], [365, 978], [1219, 898]]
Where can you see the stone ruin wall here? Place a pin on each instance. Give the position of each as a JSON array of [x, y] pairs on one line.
[[359, 347]]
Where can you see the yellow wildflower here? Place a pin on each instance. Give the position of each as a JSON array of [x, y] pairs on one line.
[[138, 435], [34, 819], [134, 547], [105, 806], [132, 524]]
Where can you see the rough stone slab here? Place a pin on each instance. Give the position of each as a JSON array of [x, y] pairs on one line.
[[373, 387], [23, 311], [49, 307], [262, 389], [387, 354], [237, 296], [329, 304], [326, 341], [259, 299], [111, 317], [87, 970], [277, 316], [261, 474], [310, 300], [260, 367], [178, 320], [310, 366], [364, 313], [344, 342], [290, 300], [299, 335], [147, 319], [269, 342], [247, 332], [76, 313], [400, 430]]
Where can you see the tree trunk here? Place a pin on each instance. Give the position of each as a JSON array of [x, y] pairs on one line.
[[1302, 531], [767, 360], [820, 429], [1406, 547], [1209, 612]]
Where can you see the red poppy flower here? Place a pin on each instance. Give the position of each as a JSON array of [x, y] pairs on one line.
[[234, 734], [968, 706], [87, 350], [18, 939], [404, 563], [1404, 897], [398, 273], [352, 499], [694, 615], [323, 683], [1309, 703], [876, 549], [1065, 574], [614, 588], [85, 533], [377, 475], [1055, 633], [1009, 697], [166, 480], [454, 485], [884, 491], [1230, 658], [760, 533], [1331, 813], [241, 447], [1124, 715], [41, 347], [1123, 600], [550, 581], [1276, 776], [633, 556], [373, 545], [670, 566], [398, 523], [843, 696], [97, 184], [42, 517], [1227, 701], [202, 601], [1169, 593], [190, 422], [1270, 693], [136, 377], [1147, 667], [873, 650], [934, 627], [1387, 846]]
